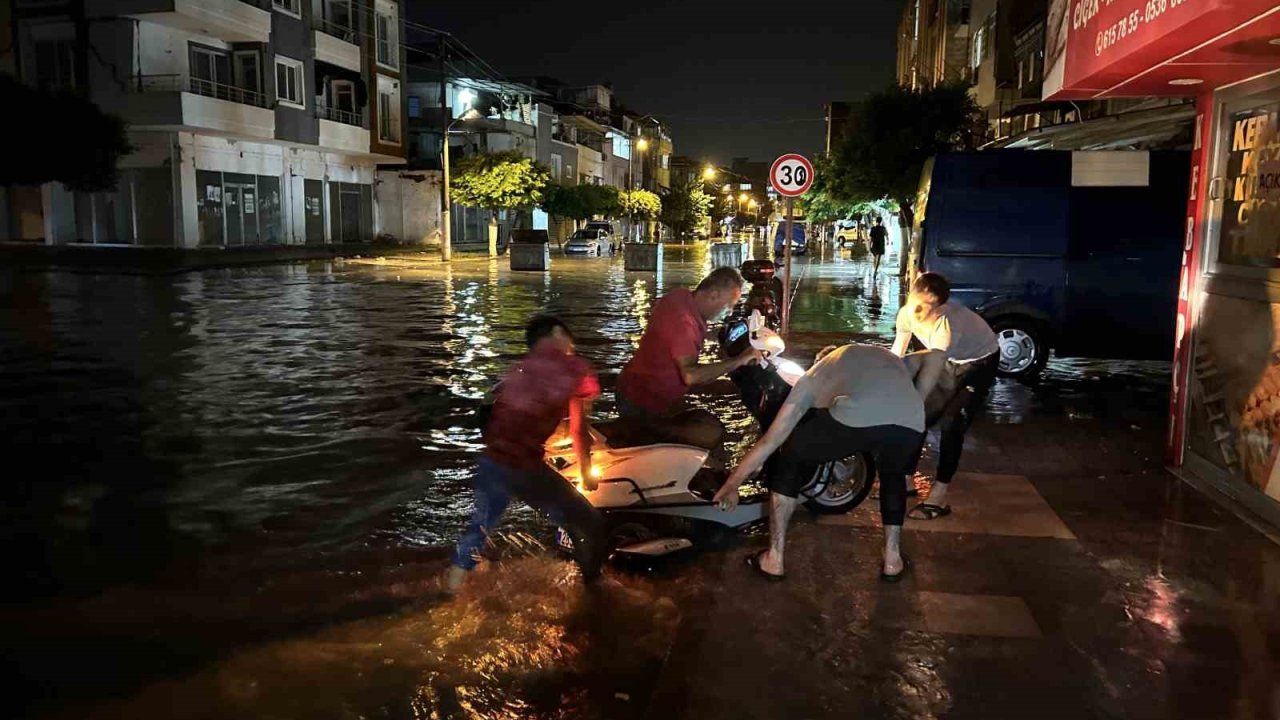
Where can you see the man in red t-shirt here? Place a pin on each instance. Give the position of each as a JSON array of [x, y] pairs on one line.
[[652, 386], [531, 400]]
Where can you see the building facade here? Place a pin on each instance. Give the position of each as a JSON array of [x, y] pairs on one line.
[[1224, 427], [933, 42], [254, 122]]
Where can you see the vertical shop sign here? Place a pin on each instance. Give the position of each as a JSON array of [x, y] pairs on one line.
[[1188, 285]]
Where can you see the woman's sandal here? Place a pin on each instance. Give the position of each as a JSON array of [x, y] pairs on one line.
[[927, 511]]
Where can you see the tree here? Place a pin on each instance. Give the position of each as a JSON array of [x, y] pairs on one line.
[[496, 181], [684, 207], [891, 134], [86, 152], [640, 203], [581, 202]]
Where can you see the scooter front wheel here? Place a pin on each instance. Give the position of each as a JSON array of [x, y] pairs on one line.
[[840, 486]]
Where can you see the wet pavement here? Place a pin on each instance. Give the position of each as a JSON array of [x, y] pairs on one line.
[[235, 488]]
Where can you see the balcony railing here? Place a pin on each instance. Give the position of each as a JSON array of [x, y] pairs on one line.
[[338, 30], [345, 117], [196, 86]]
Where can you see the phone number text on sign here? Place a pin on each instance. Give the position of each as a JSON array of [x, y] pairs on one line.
[[1129, 24]]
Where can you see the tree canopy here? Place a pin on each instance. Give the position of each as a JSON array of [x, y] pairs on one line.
[[891, 134], [685, 206], [581, 202], [88, 146], [499, 181], [640, 203]]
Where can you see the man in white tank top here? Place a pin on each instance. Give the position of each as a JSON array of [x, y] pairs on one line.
[[973, 355]]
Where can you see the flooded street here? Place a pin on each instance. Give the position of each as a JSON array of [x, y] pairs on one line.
[[221, 482]]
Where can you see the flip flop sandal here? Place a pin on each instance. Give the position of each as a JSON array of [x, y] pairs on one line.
[[753, 562], [906, 565], [927, 511]]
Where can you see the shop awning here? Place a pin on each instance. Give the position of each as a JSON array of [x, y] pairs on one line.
[[1133, 129]]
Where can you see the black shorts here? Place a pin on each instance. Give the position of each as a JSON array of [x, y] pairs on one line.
[[820, 438], [877, 247]]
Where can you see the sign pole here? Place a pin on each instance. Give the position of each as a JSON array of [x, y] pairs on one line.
[[786, 269], [791, 176]]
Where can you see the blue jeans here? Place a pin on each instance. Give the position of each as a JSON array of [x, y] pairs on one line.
[[543, 490]]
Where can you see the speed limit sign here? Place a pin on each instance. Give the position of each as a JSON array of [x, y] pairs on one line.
[[791, 175]]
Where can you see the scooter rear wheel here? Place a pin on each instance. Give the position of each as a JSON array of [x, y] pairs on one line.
[[840, 486]]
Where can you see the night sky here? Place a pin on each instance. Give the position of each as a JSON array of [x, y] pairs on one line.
[[731, 79]]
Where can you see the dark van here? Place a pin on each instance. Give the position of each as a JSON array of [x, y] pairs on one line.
[[1078, 252]]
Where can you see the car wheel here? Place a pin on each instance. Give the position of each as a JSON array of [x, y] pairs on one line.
[[1024, 346]]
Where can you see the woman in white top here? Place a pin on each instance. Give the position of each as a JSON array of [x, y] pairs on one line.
[[973, 355]]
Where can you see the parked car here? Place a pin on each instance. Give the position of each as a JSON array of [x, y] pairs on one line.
[[1078, 252], [847, 233], [612, 236], [799, 241], [587, 242]]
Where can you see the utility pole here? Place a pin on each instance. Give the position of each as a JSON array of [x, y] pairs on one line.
[[446, 231]]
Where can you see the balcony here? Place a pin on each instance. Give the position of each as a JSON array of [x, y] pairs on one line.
[[227, 20], [179, 102], [337, 44], [345, 117]]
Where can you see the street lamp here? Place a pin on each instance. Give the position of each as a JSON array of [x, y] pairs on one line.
[[446, 229]]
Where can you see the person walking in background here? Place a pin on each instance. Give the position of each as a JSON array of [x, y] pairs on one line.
[[531, 400], [879, 237], [973, 355]]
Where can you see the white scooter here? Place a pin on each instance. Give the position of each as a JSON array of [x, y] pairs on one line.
[[657, 497]]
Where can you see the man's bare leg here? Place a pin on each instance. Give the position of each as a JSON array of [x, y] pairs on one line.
[[780, 509], [892, 549]]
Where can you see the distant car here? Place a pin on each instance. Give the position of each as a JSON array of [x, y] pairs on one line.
[[612, 237], [847, 235], [799, 243], [587, 242]]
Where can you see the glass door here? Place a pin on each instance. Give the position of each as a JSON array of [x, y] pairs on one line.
[[234, 208]]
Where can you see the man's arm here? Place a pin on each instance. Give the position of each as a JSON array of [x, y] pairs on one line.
[[797, 404], [580, 430], [926, 369], [901, 343], [694, 373], [903, 339]]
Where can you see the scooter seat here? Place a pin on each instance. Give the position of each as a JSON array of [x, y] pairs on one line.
[[624, 433]]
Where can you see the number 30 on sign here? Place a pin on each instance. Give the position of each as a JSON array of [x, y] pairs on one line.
[[791, 175]]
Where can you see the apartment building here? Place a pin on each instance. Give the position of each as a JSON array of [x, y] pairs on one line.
[[933, 42], [254, 122], [1006, 66]]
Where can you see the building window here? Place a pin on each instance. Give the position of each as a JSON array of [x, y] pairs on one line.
[[210, 72], [248, 76], [289, 83], [415, 106], [336, 19], [557, 166], [386, 24], [289, 7], [621, 146], [49, 55], [388, 110]]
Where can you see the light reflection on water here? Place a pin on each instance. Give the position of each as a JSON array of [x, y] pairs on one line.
[[283, 414]]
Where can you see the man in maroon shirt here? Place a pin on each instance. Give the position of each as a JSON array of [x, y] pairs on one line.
[[531, 400], [652, 386]]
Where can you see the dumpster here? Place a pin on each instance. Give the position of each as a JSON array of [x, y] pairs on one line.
[[529, 250], [644, 257], [728, 254]]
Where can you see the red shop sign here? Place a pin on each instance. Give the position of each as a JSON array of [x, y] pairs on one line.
[[1103, 43]]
